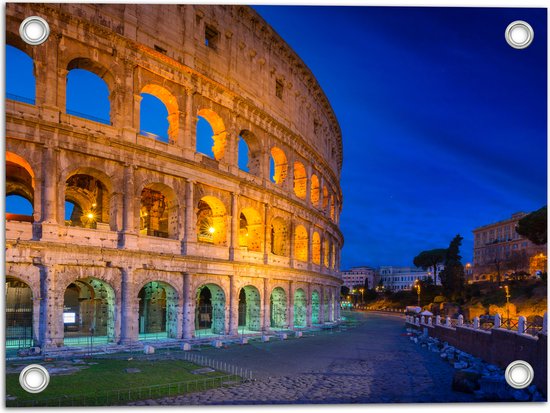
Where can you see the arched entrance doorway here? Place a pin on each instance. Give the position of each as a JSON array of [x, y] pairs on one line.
[[158, 311], [88, 312], [19, 313], [300, 306], [278, 308], [249, 310], [210, 310], [315, 306]]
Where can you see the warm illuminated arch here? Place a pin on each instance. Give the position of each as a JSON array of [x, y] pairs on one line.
[[300, 180], [279, 166], [158, 212], [315, 190], [219, 133], [300, 243], [211, 221], [251, 230], [171, 104], [279, 236], [316, 248], [253, 155]]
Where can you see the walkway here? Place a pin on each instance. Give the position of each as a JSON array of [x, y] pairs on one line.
[[372, 363]]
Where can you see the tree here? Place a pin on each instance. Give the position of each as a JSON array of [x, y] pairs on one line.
[[430, 259], [344, 291], [452, 276], [533, 226]]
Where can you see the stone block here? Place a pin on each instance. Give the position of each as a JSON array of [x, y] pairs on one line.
[[217, 343], [265, 339], [149, 349], [186, 347]]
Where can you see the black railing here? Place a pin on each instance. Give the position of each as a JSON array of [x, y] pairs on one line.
[[88, 117]]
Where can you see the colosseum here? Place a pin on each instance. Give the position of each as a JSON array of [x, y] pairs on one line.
[[132, 236]]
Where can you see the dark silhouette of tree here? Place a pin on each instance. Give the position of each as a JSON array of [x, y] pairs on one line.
[[452, 276], [430, 259], [533, 226]]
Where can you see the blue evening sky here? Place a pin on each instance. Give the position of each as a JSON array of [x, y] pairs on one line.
[[443, 123]]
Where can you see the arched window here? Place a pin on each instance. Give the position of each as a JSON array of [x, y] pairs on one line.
[[243, 155], [300, 180], [20, 81], [316, 248], [278, 166], [211, 221], [300, 243], [325, 199], [249, 153], [279, 237], [250, 230], [315, 190], [19, 189], [86, 202], [88, 96], [153, 120], [326, 252], [211, 134], [158, 213]]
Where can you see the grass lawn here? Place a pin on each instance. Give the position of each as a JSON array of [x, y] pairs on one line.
[[109, 375]]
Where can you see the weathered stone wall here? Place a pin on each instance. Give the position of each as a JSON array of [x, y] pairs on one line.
[[161, 50]]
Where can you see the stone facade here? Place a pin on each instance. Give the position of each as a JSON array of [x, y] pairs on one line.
[[136, 247]]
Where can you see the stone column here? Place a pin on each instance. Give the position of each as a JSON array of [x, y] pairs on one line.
[[51, 195], [267, 232], [189, 141], [267, 306], [309, 247], [129, 226], [234, 242], [48, 79], [308, 306], [50, 331], [190, 236], [290, 301], [308, 185], [292, 242], [322, 305], [233, 307], [129, 327], [188, 308]]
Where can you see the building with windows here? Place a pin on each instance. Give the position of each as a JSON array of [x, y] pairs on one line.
[[499, 250], [403, 278], [132, 234], [357, 276]]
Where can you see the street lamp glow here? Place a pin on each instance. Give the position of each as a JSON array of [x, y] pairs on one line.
[[90, 215], [211, 230]]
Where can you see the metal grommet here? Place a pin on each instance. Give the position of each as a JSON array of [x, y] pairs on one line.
[[34, 30], [34, 378], [519, 34], [519, 374]]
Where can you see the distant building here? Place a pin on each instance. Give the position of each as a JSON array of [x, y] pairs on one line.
[[357, 276], [498, 248], [403, 278]]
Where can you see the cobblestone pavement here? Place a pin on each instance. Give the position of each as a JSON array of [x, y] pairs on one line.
[[372, 363]]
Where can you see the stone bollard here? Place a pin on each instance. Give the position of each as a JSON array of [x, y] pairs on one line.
[[243, 340], [186, 347], [298, 334], [437, 320], [476, 323], [217, 343], [448, 322], [497, 321], [149, 349], [545, 324], [521, 324], [429, 321], [460, 321]]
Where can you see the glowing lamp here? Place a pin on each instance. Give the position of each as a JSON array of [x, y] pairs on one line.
[[90, 215], [211, 230]]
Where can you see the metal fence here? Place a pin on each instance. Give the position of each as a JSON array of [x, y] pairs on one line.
[[245, 374], [88, 117]]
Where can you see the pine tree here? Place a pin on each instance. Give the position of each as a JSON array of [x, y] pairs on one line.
[[452, 276]]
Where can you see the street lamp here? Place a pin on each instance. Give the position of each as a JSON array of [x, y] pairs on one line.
[[417, 286], [362, 290], [507, 290]]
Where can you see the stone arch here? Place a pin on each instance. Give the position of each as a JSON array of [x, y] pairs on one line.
[[315, 307], [158, 310], [211, 221], [158, 213], [171, 104], [325, 199], [19, 310], [210, 310], [278, 308], [254, 147], [249, 309], [251, 230], [300, 180], [300, 308], [332, 207], [300, 243], [90, 191], [316, 248], [20, 182], [88, 310], [219, 132], [326, 304], [94, 67], [24, 89], [279, 237], [315, 194], [278, 166], [326, 252]]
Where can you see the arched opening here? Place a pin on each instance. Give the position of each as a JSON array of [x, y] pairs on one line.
[[278, 308], [19, 189], [333, 255], [250, 230], [332, 207], [278, 166], [326, 252], [315, 307], [279, 237], [316, 248], [300, 307], [211, 221], [325, 199], [19, 314], [300, 243], [211, 134], [158, 311], [158, 214], [300, 180], [87, 94], [20, 80], [210, 310], [249, 310], [153, 118], [315, 190], [88, 312], [326, 305], [249, 153], [86, 202]]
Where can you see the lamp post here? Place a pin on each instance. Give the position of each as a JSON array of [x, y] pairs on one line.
[[417, 286], [362, 290], [507, 290]]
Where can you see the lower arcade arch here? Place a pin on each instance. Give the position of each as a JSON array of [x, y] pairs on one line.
[[158, 311], [19, 314], [88, 312], [300, 308], [315, 307], [210, 310], [278, 318], [249, 309]]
